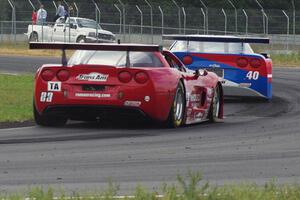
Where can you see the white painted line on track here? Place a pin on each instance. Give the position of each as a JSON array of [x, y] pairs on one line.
[[18, 128]]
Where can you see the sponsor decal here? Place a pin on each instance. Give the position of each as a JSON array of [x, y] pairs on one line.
[[54, 86], [214, 65], [245, 85], [198, 115], [189, 112], [209, 91], [195, 97], [46, 97], [132, 103], [93, 95], [94, 76]]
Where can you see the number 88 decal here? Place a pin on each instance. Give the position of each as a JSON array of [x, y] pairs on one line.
[[252, 75]]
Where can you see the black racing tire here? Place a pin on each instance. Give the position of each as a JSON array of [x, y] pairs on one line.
[[48, 120], [177, 112], [215, 107], [81, 39], [34, 37]]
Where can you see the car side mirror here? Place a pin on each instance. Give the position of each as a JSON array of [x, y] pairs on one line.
[[200, 72]]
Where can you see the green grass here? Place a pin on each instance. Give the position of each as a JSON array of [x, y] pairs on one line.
[[290, 60], [22, 49], [16, 94], [187, 188]]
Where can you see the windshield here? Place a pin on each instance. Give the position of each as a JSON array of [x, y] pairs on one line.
[[87, 23], [211, 47], [115, 58]]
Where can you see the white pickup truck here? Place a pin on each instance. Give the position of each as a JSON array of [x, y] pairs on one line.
[[74, 29]]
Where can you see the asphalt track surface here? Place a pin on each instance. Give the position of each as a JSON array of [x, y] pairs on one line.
[[257, 141]]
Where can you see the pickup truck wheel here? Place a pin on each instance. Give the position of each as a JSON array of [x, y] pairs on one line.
[[34, 37], [80, 39]]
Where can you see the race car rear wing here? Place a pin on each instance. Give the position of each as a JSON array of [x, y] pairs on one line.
[[95, 47], [216, 38]]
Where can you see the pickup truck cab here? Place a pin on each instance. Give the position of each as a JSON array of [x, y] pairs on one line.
[[74, 29]]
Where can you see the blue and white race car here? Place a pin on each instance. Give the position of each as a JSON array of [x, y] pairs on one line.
[[244, 72]]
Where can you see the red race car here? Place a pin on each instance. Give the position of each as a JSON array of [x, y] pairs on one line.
[[123, 80]]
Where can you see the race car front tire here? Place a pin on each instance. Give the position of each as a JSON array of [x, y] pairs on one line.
[[214, 111], [48, 120], [176, 115]]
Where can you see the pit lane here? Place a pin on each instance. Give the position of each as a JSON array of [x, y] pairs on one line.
[[258, 141]]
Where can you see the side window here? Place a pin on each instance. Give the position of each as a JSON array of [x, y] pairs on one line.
[[60, 21], [172, 62], [72, 21]]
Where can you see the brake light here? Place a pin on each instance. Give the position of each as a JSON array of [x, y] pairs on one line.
[[141, 77], [125, 77], [242, 62], [47, 75], [63, 75], [187, 60], [255, 63]]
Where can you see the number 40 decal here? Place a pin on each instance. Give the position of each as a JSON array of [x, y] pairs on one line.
[[252, 75]]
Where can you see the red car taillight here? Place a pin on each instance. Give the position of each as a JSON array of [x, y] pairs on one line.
[[47, 75], [63, 75], [141, 77], [187, 60], [125, 77], [242, 62], [255, 63]]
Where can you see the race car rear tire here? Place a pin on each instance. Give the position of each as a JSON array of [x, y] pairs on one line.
[[214, 111], [48, 120], [176, 115]]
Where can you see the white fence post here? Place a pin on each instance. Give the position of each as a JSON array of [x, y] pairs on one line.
[[225, 21], [13, 20], [151, 19], [294, 21], [206, 14], [141, 14], [246, 19], [204, 18], [287, 29], [184, 20], [120, 18], [124, 19], [235, 15], [77, 10], [54, 5], [162, 19], [266, 23], [179, 16]]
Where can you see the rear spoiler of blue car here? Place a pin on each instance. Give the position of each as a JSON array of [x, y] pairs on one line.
[[215, 38], [95, 47]]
